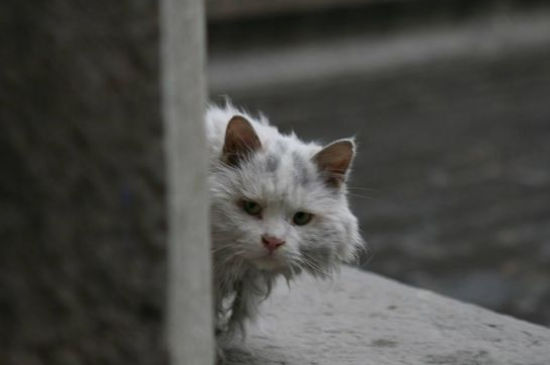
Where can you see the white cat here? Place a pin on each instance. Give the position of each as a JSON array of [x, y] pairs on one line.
[[278, 207]]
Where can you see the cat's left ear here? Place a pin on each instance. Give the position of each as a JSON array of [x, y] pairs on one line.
[[335, 160], [240, 140]]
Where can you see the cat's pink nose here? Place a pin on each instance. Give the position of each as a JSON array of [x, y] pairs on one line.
[[272, 243]]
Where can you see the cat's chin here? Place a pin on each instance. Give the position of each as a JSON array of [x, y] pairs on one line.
[[268, 263]]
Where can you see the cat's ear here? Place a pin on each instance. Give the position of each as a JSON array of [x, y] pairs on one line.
[[335, 160], [240, 140]]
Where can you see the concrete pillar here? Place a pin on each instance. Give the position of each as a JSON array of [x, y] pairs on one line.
[[189, 317]]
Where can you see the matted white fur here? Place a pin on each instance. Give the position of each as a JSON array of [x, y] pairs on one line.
[[283, 177]]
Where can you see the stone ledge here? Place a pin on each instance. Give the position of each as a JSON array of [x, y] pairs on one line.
[[362, 318]]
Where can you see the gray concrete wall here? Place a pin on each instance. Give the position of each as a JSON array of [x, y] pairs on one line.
[[82, 213]]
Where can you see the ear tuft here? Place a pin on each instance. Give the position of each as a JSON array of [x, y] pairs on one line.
[[334, 161], [240, 140]]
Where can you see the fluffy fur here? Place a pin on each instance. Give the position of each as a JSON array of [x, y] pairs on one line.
[[283, 175]]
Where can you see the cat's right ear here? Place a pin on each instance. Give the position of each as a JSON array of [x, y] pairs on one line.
[[240, 141], [334, 161]]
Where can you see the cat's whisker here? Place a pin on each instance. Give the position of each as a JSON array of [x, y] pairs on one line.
[[315, 269], [309, 263], [362, 196], [370, 256], [322, 271], [234, 257], [351, 187], [221, 248]]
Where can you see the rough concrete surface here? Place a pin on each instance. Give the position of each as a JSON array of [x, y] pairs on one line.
[[362, 318]]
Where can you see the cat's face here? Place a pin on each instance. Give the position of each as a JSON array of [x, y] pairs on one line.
[[280, 205]]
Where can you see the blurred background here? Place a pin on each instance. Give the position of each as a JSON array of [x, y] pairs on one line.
[[450, 105], [449, 101]]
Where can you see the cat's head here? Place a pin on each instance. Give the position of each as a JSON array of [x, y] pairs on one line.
[[280, 204]]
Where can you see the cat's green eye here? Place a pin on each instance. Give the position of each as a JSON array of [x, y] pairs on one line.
[[251, 207], [302, 218]]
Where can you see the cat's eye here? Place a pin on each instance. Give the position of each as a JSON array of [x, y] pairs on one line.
[[251, 207], [302, 218]]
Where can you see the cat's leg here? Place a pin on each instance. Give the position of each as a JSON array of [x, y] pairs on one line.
[[220, 354], [249, 294]]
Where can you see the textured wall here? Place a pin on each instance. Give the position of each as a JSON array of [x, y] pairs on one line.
[[82, 220]]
